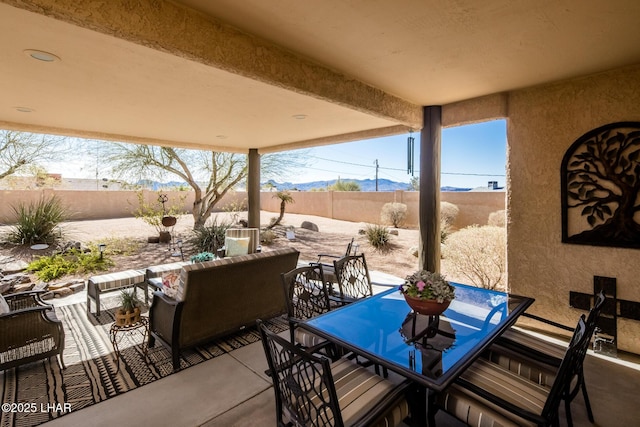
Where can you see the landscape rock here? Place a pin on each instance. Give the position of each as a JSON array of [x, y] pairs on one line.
[[62, 292], [308, 225], [42, 286], [47, 295], [14, 266], [14, 279], [393, 231], [4, 287], [23, 287], [77, 287]]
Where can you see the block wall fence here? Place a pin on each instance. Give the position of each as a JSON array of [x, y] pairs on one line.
[[475, 207]]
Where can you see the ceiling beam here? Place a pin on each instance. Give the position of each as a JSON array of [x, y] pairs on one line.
[[175, 29]]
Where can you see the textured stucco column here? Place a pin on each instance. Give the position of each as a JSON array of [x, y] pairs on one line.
[[253, 189], [429, 205]]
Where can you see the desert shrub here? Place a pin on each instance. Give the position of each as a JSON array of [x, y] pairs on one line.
[[209, 238], [234, 209], [36, 222], [394, 214], [498, 218], [267, 237], [377, 235], [479, 254], [344, 186], [52, 267], [448, 214]]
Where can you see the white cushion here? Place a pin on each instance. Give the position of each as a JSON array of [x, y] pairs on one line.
[[4, 307], [170, 283], [235, 246]]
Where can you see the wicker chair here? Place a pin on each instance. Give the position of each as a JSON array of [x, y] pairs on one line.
[[30, 331], [311, 391]]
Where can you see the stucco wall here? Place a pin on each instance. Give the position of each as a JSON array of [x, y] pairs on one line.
[[475, 207], [543, 122], [347, 206]]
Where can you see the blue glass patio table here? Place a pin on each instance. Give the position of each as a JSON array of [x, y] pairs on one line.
[[431, 351]]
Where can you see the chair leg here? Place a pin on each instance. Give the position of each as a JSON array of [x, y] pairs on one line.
[[587, 403], [60, 360], [567, 408]]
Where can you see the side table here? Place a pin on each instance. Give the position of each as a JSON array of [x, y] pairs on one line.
[[117, 333]]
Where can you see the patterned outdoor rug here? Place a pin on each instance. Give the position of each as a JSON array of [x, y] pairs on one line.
[[39, 392]]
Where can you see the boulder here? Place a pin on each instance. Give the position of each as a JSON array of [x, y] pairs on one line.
[[308, 225], [393, 231]]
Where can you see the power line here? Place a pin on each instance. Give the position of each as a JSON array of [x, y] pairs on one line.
[[402, 170]]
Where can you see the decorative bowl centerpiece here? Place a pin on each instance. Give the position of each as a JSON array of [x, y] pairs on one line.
[[427, 293]]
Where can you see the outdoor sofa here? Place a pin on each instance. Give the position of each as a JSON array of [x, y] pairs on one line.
[[215, 298]]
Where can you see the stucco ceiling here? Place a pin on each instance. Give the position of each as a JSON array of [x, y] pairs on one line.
[[235, 75]]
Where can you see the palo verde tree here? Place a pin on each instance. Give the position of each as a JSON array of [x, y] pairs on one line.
[[211, 174], [22, 150], [602, 173]]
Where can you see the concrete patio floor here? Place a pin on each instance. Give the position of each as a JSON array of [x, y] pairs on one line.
[[232, 390]]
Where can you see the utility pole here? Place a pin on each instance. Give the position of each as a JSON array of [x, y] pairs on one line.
[[376, 163]]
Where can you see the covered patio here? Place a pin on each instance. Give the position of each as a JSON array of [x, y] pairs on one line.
[[258, 77]]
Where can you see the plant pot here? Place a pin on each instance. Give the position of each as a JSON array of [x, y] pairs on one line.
[[429, 307], [165, 237], [169, 221], [125, 318]]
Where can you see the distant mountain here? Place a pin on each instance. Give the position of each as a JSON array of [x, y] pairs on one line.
[[365, 185]]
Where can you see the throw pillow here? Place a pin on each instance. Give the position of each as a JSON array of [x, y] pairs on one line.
[[236, 246], [4, 307], [170, 283]]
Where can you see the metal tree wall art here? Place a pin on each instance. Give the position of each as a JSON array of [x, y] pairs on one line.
[[601, 187]]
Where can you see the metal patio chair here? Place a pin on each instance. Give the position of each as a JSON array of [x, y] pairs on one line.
[[306, 297], [488, 394], [328, 268], [353, 279], [538, 359], [312, 391]]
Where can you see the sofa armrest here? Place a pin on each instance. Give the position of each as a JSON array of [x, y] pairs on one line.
[[164, 316]]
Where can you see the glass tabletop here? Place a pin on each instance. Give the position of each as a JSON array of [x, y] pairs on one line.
[[430, 349]]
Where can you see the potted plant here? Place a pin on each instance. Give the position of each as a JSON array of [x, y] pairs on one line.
[[427, 292], [129, 312]]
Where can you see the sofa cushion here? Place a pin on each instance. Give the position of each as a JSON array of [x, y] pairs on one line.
[[171, 283], [4, 307], [235, 246], [158, 270]]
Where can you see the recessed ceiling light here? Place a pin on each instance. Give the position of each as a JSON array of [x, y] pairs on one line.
[[41, 55], [299, 116], [24, 109]]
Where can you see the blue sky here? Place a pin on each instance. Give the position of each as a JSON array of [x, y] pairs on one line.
[[472, 155]]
